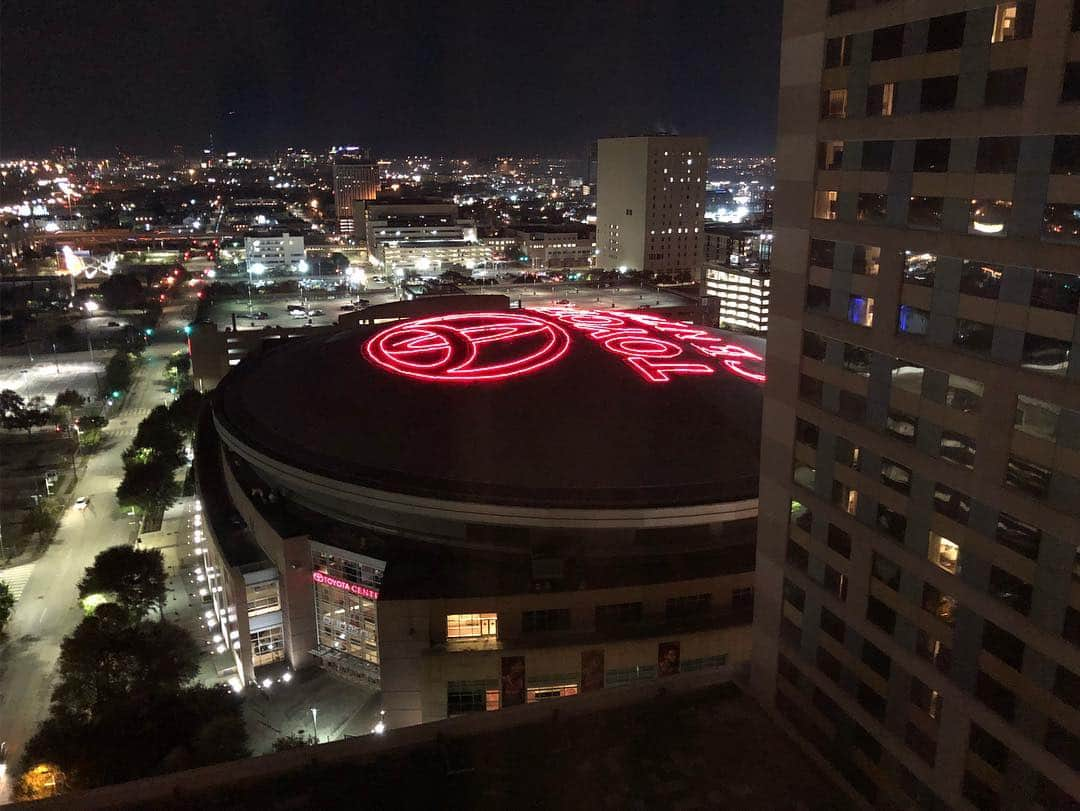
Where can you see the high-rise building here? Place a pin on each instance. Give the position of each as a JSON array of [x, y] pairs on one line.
[[650, 206], [355, 178], [918, 588]]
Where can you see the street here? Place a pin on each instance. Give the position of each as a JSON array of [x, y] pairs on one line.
[[47, 609]]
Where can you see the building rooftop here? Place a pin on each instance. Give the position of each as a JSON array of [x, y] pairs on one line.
[[582, 426], [689, 742]]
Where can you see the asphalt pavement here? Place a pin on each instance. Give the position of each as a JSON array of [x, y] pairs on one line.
[[47, 609]]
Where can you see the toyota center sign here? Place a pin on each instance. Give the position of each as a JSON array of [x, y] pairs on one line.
[[487, 347]]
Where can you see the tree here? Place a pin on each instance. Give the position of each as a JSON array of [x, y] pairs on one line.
[[158, 433], [17, 414], [148, 482], [297, 741], [122, 292], [7, 604], [43, 518], [135, 578], [70, 398], [184, 411], [118, 372]]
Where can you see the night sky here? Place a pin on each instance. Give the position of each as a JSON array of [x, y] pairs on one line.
[[437, 77]]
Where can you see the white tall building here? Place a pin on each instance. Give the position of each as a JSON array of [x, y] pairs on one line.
[[650, 208], [275, 252]]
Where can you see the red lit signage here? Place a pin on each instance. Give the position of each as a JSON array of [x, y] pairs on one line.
[[477, 347], [469, 347], [353, 588], [659, 349]]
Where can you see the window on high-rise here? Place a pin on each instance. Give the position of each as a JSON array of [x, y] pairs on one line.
[[944, 553], [908, 376], [964, 394], [980, 279], [888, 43], [470, 625], [973, 336], [1061, 221], [925, 212], [1013, 20], [990, 217], [1037, 418], [920, 268], [1076, 15], [1066, 156], [834, 103], [998, 155], [879, 99], [860, 311], [946, 33], [1005, 88], [952, 504], [871, 207], [822, 252], [937, 94], [866, 260], [912, 320], [830, 154], [838, 51], [876, 156], [1028, 476], [957, 448], [1056, 291], [840, 6], [931, 155], [1070, 85], [1020, 537], [1047, 355], [825, 205]]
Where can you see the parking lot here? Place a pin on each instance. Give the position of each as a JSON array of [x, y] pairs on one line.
[[584, 296], [276, 308], [49, 375]]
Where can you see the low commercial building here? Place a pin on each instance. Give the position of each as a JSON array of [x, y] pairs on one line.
[[390, 505], [557, 246], [432, 256], [739, 296], [276, 252]]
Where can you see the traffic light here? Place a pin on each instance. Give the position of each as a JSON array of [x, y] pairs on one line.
[[116, 395], [187, 329], [148, 331]]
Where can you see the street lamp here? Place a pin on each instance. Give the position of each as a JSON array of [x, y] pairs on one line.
[[258, 268], [315, 722]]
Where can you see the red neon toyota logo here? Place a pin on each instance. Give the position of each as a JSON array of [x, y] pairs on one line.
[[469, 347]]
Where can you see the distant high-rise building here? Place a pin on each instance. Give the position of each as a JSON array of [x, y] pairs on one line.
[[591, 164], [355, 178], [917, 613], [650, 206]]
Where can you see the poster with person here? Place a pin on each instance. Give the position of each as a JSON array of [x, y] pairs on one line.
[[667, 659], [513, 681], [592, 670]]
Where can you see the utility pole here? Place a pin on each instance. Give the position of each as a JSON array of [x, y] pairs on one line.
[[90, 344]]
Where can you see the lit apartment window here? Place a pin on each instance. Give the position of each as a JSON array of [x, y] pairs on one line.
[[989, 217], [866, 260], [879, 99], [1013, 20], [944, 553], [825, 205], [920, 268], [470, 625], [981, 279], [861, 311], [834, 104]]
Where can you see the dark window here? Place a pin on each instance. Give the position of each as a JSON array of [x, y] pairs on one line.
[[1005, 88], [938, 93], [881, 615], [883, 569], [980, 279], [693, 605], [1070, 85], [871, 701], [933, 651], [871, 207], [1022, 538], [840, 6], [1076, 15], [462, 700], [852, 406], [1047, 355], [877, 156], [888, 43], [946, 32], [875, 659], [742, 600], [1003, 645], [788, 670], [831, 666], [822, 252], [817, 298], [1032, 478], [920, 743], [1071, 630], [1067, 686], [980, 794], [989, 748], [857, 359], [912, 320], [1056, 291], [997, 155], [901, 426], [1066, 157], [832, 625], [925, 212], [551, 619], [813, 346], [1063, 745], [951, 503], [879, 99], [895, 475], [1061, 221], [839, 541], [830, 154], [617, 614], [939, 604], [926, 699], [973, 336], [806, 432], [931, 155], [810, 389], [835, 582], [838, 51], [996, 696], [866, 743], [958, 448], [1011, 590]]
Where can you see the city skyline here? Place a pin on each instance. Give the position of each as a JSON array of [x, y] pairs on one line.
[[450, 80]]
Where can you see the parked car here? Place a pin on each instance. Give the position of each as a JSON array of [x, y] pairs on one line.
[[316, 312], [296, 308], [82, 502], [113, 324], [256, 315]]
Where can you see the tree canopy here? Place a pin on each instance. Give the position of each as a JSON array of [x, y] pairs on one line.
[[70, 398], [7, 605], [134, 578], [122, 292], [184, 411], [21, 415]]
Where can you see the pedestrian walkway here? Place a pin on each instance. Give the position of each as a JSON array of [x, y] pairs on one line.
[[16, 578]]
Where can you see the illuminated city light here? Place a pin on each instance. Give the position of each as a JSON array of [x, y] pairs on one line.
[[353, 588]]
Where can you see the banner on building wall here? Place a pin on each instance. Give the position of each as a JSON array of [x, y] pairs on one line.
[[667, 659], [513, 681], [592, 670]]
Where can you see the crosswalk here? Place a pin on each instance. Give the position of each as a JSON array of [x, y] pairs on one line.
[[16, 578]]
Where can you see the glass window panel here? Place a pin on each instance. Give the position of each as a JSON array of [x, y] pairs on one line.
[[990, 217], [932, 155], [980, 279], [1037, 418], [925, 212], [1056, 291], [920, 268]]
